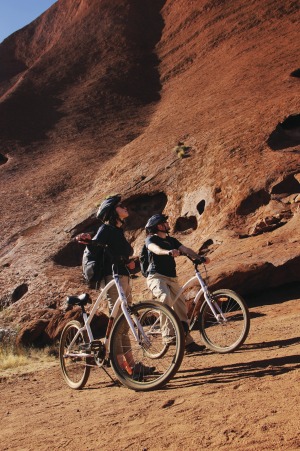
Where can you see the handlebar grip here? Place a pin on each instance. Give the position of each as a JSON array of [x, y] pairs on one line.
[[199, 261], [196, 261]]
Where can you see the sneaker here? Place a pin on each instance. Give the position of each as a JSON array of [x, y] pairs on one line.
[[139, 371], [193, 347], [169, 340]]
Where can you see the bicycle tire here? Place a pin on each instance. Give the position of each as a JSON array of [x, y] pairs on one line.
[[225, 337], [130, 359], [74, 368]]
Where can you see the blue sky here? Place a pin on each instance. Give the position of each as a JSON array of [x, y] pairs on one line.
[[15, 14]]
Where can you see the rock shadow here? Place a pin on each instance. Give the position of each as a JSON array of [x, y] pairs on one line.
[[90, 224], [295, 73], [19, 292], [201, 207], [278, 295], [142, 80], [3, 159], [70, 255], [286, 188], [254, 201], [29, 115], [289, 185], [286, 134], [206, 246], [142, 207], [265, 275], [185, 223]]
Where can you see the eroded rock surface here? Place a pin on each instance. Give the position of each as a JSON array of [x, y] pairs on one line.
[[98, 95]]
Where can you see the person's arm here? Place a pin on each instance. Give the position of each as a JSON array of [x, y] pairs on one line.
[[159, 251], [191, 253]]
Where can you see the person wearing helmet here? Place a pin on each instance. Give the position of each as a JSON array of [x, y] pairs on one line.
[[162, 277], [113, 215]]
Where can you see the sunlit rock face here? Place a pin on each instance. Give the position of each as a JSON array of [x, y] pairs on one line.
[[191, 108]]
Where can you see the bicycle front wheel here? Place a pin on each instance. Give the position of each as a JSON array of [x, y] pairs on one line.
[[71, 355], [151, 361], [228, 334]]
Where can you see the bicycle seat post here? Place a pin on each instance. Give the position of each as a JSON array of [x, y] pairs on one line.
[[84, 313]]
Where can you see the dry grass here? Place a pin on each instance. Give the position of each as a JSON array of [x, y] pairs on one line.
[[10, 360], [13, 360]]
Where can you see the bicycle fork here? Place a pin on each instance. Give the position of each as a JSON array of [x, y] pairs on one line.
[[139, 333], [216, 310]]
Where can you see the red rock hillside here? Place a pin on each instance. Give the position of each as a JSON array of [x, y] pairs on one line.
[[186, 106]]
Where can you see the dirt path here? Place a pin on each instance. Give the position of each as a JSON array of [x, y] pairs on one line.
[[248, 400]]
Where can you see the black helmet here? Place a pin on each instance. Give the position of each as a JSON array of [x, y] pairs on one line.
[[155, 220], [107, 206]]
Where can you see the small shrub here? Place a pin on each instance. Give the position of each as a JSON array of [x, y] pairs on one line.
[[12, 357], [182, 150]]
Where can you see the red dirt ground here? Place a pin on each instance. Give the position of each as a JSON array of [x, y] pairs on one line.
[[247, 400]]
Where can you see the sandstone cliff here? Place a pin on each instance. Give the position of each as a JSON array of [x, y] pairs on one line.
[[191, 107]]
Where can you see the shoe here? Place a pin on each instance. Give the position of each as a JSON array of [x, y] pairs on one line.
[[169, 340], [193, 347], [139, 371], [140, 368]]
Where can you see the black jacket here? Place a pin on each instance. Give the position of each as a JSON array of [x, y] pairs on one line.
[[118, 247]]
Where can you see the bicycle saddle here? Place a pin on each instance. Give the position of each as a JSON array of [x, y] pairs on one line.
[[81, 300]]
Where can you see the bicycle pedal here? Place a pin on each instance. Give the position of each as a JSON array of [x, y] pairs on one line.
[[96, 345]]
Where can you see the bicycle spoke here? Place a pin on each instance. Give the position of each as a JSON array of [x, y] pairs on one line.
[[149, 363], [73, 356], [229, 330]]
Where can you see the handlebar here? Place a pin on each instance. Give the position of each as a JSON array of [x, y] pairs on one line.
[[199, 261], [196, 261]]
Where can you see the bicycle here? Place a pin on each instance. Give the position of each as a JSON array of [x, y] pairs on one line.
[[133, 342], [222, 316]]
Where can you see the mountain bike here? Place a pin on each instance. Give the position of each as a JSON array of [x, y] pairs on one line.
[[222, 316], [132, 345]]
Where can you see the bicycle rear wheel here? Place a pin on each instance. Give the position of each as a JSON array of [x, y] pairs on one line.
[[149, 363], [72, 363], [225, 336]]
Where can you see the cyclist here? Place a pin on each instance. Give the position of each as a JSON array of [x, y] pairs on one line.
[[113, 215], [162, 277]]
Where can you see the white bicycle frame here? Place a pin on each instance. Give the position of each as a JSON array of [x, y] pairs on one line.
[[217, 312], [121, 301]]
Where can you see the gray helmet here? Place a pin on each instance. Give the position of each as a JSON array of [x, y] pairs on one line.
[[107, 207], [155, 220]]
